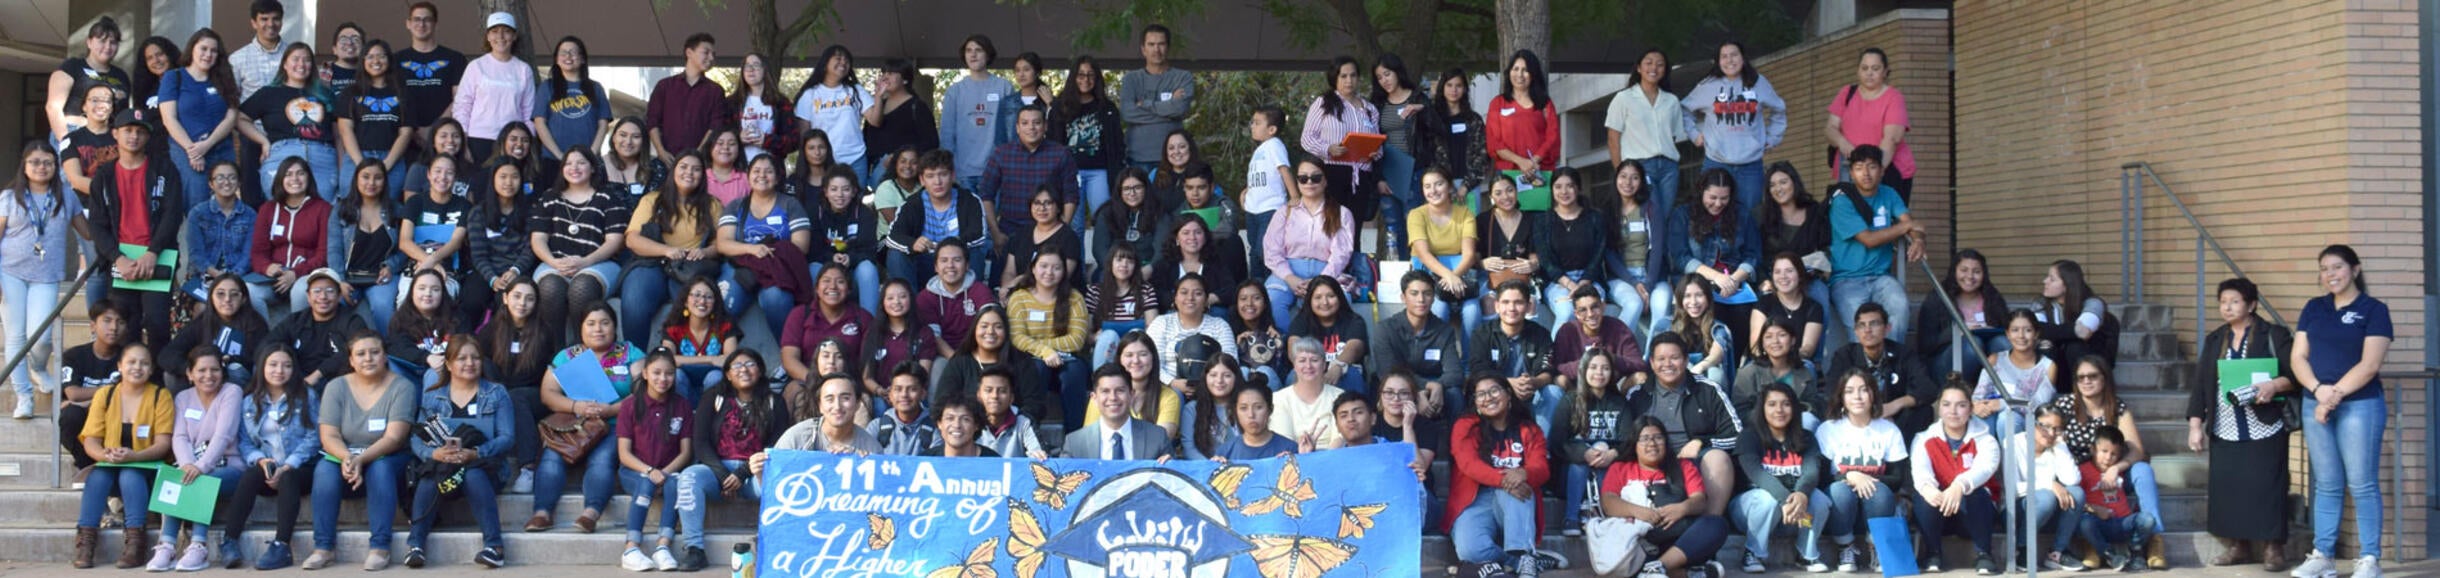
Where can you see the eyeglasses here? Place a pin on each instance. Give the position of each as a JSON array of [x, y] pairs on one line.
[[2081, 376], [1311, 178], [1652, 439], [323, 291]]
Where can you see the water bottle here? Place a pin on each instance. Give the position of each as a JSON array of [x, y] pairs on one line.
[[741, 560]]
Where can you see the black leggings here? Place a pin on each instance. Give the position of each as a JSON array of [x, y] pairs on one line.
[[567, 295], [148, 312], [72, 424], [291, 493]]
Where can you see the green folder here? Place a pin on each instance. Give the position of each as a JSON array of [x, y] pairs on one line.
[[192, 502], [1211, 216], [168, 260], [1528, 199], [154, 464], [2240, 375]]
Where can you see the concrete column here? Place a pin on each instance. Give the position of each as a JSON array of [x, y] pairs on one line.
[[1832, 16]]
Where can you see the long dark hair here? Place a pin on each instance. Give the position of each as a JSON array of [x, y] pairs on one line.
[[24, 183], [247, 321], [221, 77], [293, 393], [1768, 215], [1260, 322], [351, 206], [679, 316], [489, 211], [1108, 288], [2071, 300], [749, 394], [516, 343], [387, 79], [1331, 103], [1440, 102], [411, 322], [1701, 225], [804, 166], [1587, 391], [1988, 292], [698, 206], [1397, 68], [821, 71], [453, 345], [599, 181], [770, 85], [559, 81], [147, 83], [1063, 303], [1213, 411], [1314, 319], [1635, 73], [1537, 85], [1797, 441], [1007, 343], [1070, 101], [1488, 440], [1745, 74]]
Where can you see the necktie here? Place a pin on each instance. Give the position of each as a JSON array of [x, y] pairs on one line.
[[1118, 447]]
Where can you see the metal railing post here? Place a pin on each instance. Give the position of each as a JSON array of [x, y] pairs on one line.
[[58, 390], [1957, 324]]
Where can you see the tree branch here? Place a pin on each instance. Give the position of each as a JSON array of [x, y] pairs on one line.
[[1456, 8], [805, 21]]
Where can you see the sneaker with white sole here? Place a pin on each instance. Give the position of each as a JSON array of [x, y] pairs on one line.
[[1527, 566], [25, 407], [2367, 567], [2316, 565], [1753, 564], [1846, 558], [1551, 559], [635, 561], [663, 561], [1816, 566], [525, 483]]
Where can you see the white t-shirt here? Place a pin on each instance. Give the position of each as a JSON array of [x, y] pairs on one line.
[[755, 118], [1869, 449], [839, 113], [1263, 191]]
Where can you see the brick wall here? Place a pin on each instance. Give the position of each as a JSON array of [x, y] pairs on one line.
[[2285, 126]]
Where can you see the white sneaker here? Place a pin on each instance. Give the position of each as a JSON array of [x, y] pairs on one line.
[[1846, 559], [663, 561], [2316, 565], [525, 483], [635, 561], [2367, 567], [25, 407]]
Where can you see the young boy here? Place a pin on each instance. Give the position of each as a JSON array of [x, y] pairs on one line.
[[906, 429], [2111, 523], [1266, 181], [2055, 492], [1004, 429]]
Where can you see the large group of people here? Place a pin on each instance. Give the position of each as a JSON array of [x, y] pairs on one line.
[[416, 275]]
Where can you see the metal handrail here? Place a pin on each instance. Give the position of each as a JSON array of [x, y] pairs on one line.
[[58, 390], [2131, 245], [1957, 327]]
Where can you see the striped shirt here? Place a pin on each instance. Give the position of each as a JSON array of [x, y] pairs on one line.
[[577, 228]]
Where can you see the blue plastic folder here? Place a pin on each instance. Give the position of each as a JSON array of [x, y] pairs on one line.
[[582, 379], [1892, 547]]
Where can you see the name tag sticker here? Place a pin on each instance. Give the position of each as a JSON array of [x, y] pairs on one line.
[[194, 414], [1037, 316], [279, 230], [1431, 354], [1510, 111], [1635, 226], [475, 407], [1165, 97], [775, 220], [376, 424], [1457, 128], [516, 347], [1880, 221], [618, 370], [991, 98], [432, 219]]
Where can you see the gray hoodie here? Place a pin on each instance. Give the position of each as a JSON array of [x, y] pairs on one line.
[[969, 120], [1736, 123]]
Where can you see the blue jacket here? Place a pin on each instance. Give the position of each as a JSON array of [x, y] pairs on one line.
[[302, 438], [1741, 250], [343, 239], [493, 417]]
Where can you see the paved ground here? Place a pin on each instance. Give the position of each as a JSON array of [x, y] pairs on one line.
[[2414, 570]]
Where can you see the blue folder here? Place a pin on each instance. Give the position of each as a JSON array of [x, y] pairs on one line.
[[582, 379], [1892, 547]]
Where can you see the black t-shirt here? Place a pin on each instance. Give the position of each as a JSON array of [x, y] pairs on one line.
[[337, 78], [1333, 336], [430, 78], [289, 113], [1807, 312], [378, 114], [92, 150], [421, 211], [84, 369], [85, 77]]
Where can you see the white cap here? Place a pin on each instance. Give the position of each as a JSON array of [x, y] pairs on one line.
[[500, 19]]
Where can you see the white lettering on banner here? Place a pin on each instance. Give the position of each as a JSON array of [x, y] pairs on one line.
[[843, 555]]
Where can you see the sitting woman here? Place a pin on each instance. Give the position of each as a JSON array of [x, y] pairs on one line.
[[1047, 235], [1313, 237], [1780, 460], [366, 416], [1658, 488], [760, 233], [1121, 303], [1192, 249], [363, 244], [897, 336], [988, 348], [277, 440], [2075, 320], [1344, 337], [1254, 439], [1155, 401], [1209, 419], [1710, 348], [1260, 342], [419, 335], [1500, 462], [1441, 236], [1984, 310], [1776, 363], [1048, 321], [131, 431], [671, 241], [650, 457], [1586, 427], [851, 236], [2093, 405], [1575, 245], [476, 431], [205, 444], [1305, 411], [1956, 475], [228, 323], [1870, 456], [598, 329], [731, 425], [2024, 374], [577, 230], [832, 315], [698, 335]]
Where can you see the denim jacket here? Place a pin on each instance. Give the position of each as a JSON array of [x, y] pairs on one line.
[[1740, 250], [493, 417], [300, 439], [343, 240]]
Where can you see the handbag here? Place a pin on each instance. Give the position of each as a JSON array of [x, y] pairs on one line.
[[572, 436], [1616, 545]]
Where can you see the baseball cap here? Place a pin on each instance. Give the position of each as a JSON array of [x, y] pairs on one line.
[[500, 19], [126, 118]]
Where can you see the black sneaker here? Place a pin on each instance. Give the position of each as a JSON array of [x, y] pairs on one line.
[[1984, 565], [1929, 565], [1484, 570], [415, 557], [490, 558], [694, 560]]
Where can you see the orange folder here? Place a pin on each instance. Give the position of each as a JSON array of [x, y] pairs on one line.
[[1360, 146]]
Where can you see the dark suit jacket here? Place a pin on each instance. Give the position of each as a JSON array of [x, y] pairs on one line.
[[1150, 441]]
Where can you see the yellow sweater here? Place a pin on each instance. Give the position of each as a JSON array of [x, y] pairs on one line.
[[1032, 324]]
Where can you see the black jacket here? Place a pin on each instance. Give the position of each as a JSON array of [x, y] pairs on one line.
[[1899, 374], [2271, 341], [1931, 338], [165, 202], [971, 227], [319, 345], [711, 413], [1707, 414], [1483, 351], [855, 231]]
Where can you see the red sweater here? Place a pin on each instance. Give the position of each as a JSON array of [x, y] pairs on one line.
[[1509, 126], [302, 244], [1475, 474]]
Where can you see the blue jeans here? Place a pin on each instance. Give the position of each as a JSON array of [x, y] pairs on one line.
[[1105, 342], [481, 494], [196, 183], [2063, 520], [1256, 225], [1545, 405], [641, 491], [1835, 332], [382, 480], [1757, 516], [20, 302], [1749, 180], [697, 488], [872, 169], [1848, 511], [1562, 307], [2147, 492], [1850, 294], [1663, 173], [693, 380], [203, 530], [2346, 455], [1975, 518], [1094, 184], [1495, 524], [2130, 530], [319, 158], [397, 176], [1397, 169], [551, 477], [1283, 299], [380, 304], [133, 486], [643, 290], [867, 278]]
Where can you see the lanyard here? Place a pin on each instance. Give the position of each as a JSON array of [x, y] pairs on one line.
[[40, 213]]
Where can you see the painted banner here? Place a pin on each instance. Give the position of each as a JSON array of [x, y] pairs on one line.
[[1347, 512]]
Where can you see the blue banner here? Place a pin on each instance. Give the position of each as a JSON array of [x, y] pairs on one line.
[[1347, 512]]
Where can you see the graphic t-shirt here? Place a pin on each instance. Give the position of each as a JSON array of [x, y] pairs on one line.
[[289, 113], [430, 76], [378, 114], [86, 76], [1649, 487], [1868, 449], [574, 116]]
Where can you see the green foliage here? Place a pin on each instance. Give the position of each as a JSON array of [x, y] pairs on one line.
[[1228, 100]]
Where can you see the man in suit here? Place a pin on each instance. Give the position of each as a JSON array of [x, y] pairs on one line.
[[1119, 435]]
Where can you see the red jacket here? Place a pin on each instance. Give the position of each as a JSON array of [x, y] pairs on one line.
[[303, 245], [1474, 474], [1508, 126]]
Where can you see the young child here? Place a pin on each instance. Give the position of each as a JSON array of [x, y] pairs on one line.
[[1253, 413], [2111, 522], [1005, 430], [1266, 181], [906, 429]]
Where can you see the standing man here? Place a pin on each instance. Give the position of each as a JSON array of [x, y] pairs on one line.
[[970, 114], [1153, 100], [137, 210], [347, 52], [64, 104], [257, 63], [1017, 168], [686, 106], [430, 71]]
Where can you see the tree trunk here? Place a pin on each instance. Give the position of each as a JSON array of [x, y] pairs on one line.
[[1415, 43], [525, 23], [1524, 25], [1358, 24], [762, 23]]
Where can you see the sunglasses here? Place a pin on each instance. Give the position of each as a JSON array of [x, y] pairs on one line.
[[1310, 178]]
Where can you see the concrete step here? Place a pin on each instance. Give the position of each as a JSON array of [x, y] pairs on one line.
[[2148, 346], [2150, 404], [2134, 317], [2187, 549], [40, 507], [30, 470], [2155, 375], [447, 548]]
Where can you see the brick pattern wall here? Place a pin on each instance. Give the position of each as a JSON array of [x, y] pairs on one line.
[[2285, 126], [1813, 74]]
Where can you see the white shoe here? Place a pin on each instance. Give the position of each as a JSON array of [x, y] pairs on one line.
[[2367, 567], [2316, 565], [635, 560], [25, 407], [525, 483], [663, 561]]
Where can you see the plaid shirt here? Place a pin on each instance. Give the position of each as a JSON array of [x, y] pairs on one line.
[[220, 240], [1014, 172], [254, 66]]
